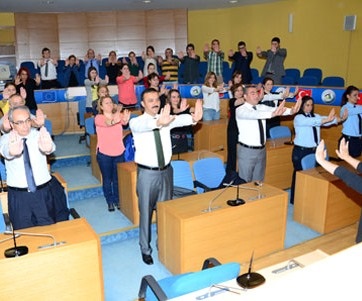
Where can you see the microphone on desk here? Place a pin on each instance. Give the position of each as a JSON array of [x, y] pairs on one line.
[[15, 251], [238, 201], [250, 279], [54, 244], [210, 208]]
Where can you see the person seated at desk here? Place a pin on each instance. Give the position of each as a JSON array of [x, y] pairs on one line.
[[307, 126], [35, 198], [353, 180]]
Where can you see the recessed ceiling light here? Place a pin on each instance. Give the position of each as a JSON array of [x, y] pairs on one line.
[[146, 1], [233, 1]]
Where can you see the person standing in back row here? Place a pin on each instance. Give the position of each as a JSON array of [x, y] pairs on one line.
[[274, 65], [152, 140]]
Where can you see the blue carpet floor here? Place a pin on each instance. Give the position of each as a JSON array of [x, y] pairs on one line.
[[122, 264]]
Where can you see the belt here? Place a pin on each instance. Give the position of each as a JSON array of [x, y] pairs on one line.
[[152, 168], [27, 189], [250, 146], [352, 137], [269, 72], [305, 148]]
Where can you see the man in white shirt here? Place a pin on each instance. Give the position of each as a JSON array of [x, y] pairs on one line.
[[154, 173], [48, 70], [250, 118]]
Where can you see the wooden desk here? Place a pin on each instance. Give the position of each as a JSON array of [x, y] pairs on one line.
[[187, 235], [72, 271], [211, 135], [279, 165], [127, 180], [323, 202]]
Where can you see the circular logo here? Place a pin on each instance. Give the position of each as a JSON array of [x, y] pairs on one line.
[[195, 91], [328, 96]]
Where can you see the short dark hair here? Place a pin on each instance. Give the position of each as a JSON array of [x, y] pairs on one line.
[[241, 43], [45, 49], [190, 45], [147, 91], [276, 39]]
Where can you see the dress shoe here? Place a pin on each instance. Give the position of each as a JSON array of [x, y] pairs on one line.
[[117, 206], [147, 259], [110, 207]]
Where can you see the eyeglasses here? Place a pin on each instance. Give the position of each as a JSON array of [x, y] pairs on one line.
[[22, 122]]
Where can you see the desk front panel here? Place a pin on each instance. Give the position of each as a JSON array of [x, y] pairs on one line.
[[323, 202], [72, 271], [187, 235]]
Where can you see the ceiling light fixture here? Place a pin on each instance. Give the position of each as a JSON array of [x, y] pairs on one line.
[[146, 1], [233, 1]]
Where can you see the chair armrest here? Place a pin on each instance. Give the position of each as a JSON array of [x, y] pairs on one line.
[[210, 262], [201, 185], [74, 213], [148, 280]]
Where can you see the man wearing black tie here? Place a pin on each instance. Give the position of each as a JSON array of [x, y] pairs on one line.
[[250, 119], [152, 140], [307, 126], [35, 198]]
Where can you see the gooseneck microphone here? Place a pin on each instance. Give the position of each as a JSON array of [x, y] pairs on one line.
[[210, 208], [54, 244], [16, 251], [238, 201], [250, 279]]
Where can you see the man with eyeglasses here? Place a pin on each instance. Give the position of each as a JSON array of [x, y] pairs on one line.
[[35, 198], [17, 100], [242, 59]]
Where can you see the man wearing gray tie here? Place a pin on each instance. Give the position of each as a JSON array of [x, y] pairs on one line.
[[152, 140], [250, 119]]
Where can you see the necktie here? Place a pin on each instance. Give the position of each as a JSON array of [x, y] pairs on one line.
[[261, 129], [28, 170], [359, 123], [46, 69], [159, 149], [314, 132], [91, 63]]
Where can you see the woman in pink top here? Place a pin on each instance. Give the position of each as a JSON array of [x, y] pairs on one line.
[[110, 147], [126, 90]]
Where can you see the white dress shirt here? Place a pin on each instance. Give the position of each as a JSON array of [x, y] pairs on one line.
[[211, 98], [247, 121], [144, 141], [15, 169], [52, 70]]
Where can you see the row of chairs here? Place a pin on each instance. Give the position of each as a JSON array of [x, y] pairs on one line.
[[311, 77]]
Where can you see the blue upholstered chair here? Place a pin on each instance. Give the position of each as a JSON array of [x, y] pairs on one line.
[[205, 180], [294, 73], [316, 72], [33, 69], [288, 80], [308, 81], [309, 161], [333, 81], [183, 182], [280, 131], [175, 286]]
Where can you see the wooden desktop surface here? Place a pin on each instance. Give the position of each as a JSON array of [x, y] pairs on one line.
[[72, 271], [187, 235], [323, 202], [127, 180]]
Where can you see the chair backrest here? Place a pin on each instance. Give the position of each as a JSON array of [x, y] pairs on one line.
[[333, 81], [280, 131], [226, 72], [203, 71], [316, 72], [31, 66], [49, 126], [293, 73], [179, 285], [209, 171], [90, 129], [288, 80], [309, 161], [182, 174], [308, 80]]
